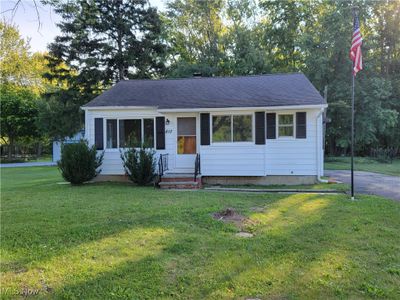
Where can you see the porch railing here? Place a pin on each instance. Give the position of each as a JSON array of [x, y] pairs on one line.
[[162, 165], [197, 169]]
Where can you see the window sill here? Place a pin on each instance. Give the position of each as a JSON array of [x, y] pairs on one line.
[[231, 144], [286, 138]]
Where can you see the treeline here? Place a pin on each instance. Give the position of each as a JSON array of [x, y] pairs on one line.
[[102, 42]]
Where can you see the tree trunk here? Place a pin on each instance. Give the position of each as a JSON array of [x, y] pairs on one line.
[[10, 147], [39, 150]]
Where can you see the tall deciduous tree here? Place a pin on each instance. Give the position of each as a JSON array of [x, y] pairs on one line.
[[195, 33], [18, 66], [18, 114]]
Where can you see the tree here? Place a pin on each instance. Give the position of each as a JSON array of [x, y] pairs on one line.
[[243, 40], [18, 114], [15, 60], [195, 33], [107, 41], [101, 42]]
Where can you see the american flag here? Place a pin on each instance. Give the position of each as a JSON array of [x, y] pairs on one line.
[[355, 50]]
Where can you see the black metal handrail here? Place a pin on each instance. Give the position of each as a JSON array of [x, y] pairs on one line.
[[162, 165], [197, 169]]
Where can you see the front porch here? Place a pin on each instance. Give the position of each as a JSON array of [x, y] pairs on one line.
[[170, 179]]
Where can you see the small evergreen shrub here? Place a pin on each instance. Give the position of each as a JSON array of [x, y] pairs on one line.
[[384, 155], [79, 162], [139, 164]]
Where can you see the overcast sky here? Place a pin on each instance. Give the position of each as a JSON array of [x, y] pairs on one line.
[[26, 20]]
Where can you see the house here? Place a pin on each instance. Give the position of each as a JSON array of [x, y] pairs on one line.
[[68, 140], [265, 129]]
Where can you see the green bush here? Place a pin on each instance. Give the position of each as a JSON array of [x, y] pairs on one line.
[[384, 155], [79, 162], [139, 164]]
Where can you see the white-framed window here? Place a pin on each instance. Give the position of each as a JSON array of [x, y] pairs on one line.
[[122, 133], [232, 128], [285, 126]]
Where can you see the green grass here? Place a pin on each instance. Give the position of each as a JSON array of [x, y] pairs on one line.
[[117, 241], [363, 164], [43, 158], [340, 187]]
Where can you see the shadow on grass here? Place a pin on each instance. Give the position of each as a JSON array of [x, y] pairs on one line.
[[218, 265], [112, 242]]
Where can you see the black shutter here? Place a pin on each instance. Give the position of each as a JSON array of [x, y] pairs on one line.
[[204, 129], [160, 133], [301, 125], [260, 128], [271, 125], [98, 133]]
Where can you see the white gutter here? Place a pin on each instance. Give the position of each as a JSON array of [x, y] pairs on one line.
[[85, 108], [319, 149], [205, 109]]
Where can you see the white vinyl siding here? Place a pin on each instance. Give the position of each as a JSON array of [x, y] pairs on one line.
[[291, 156], [112, 163], [280, 156]]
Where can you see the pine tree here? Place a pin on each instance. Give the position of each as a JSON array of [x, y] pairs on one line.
[[101, 42]]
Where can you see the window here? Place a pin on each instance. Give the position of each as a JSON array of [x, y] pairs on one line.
[[242, 128], [186, 135], [285, 126], [222, 131], [131, 132], [148, 132], [235, 128], [111, 134]]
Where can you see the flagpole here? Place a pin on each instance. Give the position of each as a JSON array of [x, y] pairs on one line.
[[352, 117], [352, 135]]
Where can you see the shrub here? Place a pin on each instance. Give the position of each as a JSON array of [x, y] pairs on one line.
[[384, 155], [139, 164], [79, 162]]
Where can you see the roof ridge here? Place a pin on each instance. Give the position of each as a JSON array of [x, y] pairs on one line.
[[214, 77]]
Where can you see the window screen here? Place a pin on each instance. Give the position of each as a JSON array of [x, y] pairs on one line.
[[111, 133], [148, 125], [130, 133]]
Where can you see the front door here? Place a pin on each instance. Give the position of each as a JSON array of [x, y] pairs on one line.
[[186, 144]]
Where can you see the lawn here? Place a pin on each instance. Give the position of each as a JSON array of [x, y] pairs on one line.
[[113, 241], [339, 187], [363, 164], [43, 158]]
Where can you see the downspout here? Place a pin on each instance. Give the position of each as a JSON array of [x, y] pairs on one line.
[[319, 149]]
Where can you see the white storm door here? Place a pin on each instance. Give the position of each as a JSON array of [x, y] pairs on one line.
[[186, 143]]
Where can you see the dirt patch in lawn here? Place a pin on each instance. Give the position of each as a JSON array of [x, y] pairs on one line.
[[229, 215]]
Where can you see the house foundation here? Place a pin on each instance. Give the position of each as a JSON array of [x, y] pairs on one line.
[[260, 180]]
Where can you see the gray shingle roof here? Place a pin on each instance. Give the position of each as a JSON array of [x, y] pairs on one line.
[[212, 92]]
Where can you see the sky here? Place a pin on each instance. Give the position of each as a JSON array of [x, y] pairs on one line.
[[26, 20]]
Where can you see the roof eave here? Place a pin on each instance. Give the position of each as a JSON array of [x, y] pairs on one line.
[[116, 107], [202, 109], [310, 106]]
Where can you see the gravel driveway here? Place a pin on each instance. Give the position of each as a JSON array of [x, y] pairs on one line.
[[370, 183]]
